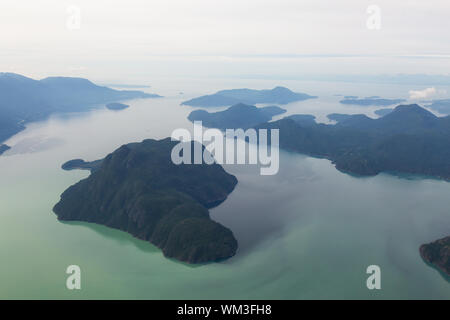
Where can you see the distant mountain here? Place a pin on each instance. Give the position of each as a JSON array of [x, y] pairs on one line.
[[441, 106], [23, 99], [383, 112], [409, 140], [371, 101], [437, 253], [138, 189], [355, 121], [237, 116], [73, 92], [278, 95], [403, 119]]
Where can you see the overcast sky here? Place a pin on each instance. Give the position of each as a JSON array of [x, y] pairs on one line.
[[215, 37]]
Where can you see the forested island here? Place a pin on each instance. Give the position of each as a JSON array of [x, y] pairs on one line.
[[237, 116], [437, 253], [409, 140], [138, 189], [278, 95]]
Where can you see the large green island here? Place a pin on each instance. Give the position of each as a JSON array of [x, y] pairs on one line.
[[437, 253], [138, 189]]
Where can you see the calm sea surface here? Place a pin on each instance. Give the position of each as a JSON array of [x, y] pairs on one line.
[[308, 232]]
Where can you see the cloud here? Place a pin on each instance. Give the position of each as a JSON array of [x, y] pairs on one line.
[[422, 94]]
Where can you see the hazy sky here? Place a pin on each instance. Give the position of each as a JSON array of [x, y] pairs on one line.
[[138, 38]]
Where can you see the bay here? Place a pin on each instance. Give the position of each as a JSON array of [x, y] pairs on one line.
[[308, 232]]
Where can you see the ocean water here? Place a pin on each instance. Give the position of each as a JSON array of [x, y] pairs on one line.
[[308, 232]]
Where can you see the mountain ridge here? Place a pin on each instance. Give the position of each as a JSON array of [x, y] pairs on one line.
[[24, 100], [409, 140]]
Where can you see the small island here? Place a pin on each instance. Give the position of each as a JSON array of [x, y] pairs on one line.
[[116, 106], [224, 98], [238, 116], [4, 148], [138, 189], [437, 253]]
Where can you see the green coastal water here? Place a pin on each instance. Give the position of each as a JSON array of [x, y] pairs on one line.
[[308, 232]]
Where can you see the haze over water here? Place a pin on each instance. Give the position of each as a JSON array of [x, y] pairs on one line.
[[308, 232]]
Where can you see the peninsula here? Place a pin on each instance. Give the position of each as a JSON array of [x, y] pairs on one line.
[[81, 165]]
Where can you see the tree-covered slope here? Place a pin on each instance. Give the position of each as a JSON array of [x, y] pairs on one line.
[[23, 99], [408, 140], [237, 116], [438, 254], [139, 190]]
